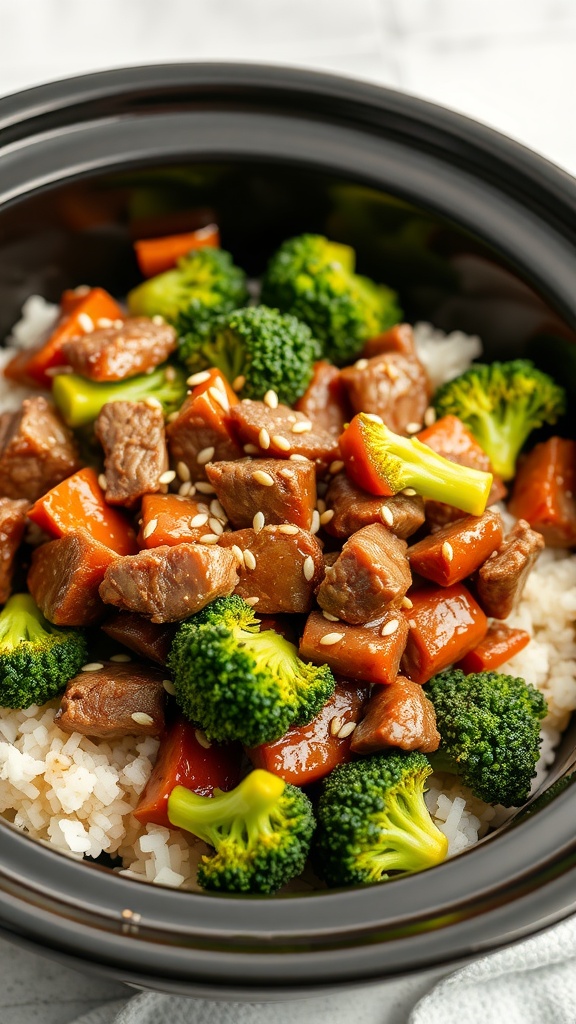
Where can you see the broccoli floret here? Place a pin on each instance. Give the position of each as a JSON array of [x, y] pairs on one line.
[[270, 350], [313, 278], [80, 400], [489, 724], [373, 822], [501, 404], [238, 683], [385, 463], [203, 284], [261, 832], [36, 658]]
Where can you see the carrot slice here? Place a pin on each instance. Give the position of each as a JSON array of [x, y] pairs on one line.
[[214, 379], [499, 645], [368, 653], [169, 517], [445, 624], [155, 255], [78, 504], [455, 551], [545, 491]]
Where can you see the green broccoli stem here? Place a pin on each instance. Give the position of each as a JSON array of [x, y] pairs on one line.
[[413, 841], [21, 619], [503, 437], [224, 351], [80, 400], [252, 800]]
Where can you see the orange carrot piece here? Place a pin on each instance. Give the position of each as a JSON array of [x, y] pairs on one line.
[[445, 624], [454, 552], [215, 379], [362, 653], [361, 469], [155, 255], [172, 516], [77, 505], [499, 645], [545, 491]]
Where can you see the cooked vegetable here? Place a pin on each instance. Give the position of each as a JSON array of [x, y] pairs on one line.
[[270, 350], [382, 462], [155, 255], [313, 278], [373, 822], [489, 725], [502, 403], [260, 831], [458, 549], [203, 284], [545, 491], [36, 658], [238, 683], [80, 400], [445, 624], [499, 645]]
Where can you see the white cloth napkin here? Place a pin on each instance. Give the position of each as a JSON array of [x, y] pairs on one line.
[[533, 982]]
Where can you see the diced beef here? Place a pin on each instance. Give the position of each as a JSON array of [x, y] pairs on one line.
[[502, 578], [114, 353], [545, 491], [243, 492], [12, 525], [114, 701], [140, 635], [370, 653], [455, 551], [399, 338], [135, 456], [354, 508], [201, 434], [281, 569], [324, 401], [371, 572], [36, 450], [399, 715], [392, 385], [279, 433], [64, 578], [170, 583]]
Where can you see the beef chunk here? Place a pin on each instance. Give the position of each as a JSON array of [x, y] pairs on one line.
[[392, 385], [140, 635], [12, 525], [399, 338], [201, 434], [371, 572], [399, 715], [502, 578], [132, 435], [114, 353], [64, 578], [368, 653], [170, 583], [281, 569], [290, 498], [353, 508], [113, 701], [36, 450], [278, 433], [324, 401]]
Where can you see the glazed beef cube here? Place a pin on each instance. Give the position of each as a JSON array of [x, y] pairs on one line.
[[140, 635], [367, 653], [456, 550], [399, 715], [282, 433], [64, 578], [545, 491], [445, 624], [354, 508], [324, 401], [201, 433], [36, 450], [371, 572], [502, 578], [399, 338], [113, 353], [393, 386], [282, 492], [113, 701], [12, 525], [282, 569], [170, 583], [135, 456]]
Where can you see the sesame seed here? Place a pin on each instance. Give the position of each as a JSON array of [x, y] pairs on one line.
[[271, 399], [238, 554], [183, 471], [264, 438], [335, 467], [296, 457], [373, 417], [301, 427], [173, 417], [260, 477], [104, 321], [55, 371], [413, 428], [447, 551], [288, 529], [209, 538], [315, 521], [152, 403], [326, 516], [86, 322], [330, 617], [258, 522], [120, 657], [202, 739], [361, 364], [219, 383], [217, 510], [170, 374], [102, 481], [249, 560], [346, 730], [430, 416], [186, 489], [118, 323], [321, 505], [412, 623], [251, 601], [389, 627], [281, 442], [205, 455], [198, 378], [251, 449], [82, 289], [169, 686], [221, 397], [167, 477], [238, 383], [308, 567], [158, 320], [204, 487], [149, 528], [335, 725], [409, 492], [141, 718], [331, 638], [216, 526], [407, 603], [92, 666], [288, 474], [392, 371], [387, 516]]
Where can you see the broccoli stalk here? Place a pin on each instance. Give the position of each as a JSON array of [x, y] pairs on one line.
[[261, 832], [373, 821], [501, 404], [385, 463], [489, 724], [36, 658], [80, 400], [203, 284], [238, 683]]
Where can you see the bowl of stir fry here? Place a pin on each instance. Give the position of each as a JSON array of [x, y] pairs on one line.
[[287, 520]]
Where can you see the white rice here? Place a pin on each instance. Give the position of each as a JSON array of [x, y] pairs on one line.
[[445, 356], [38, 319]]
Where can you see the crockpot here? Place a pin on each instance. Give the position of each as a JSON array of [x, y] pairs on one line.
[[476, 233]]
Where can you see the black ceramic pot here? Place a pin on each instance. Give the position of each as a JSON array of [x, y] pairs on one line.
[[476, 233]]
